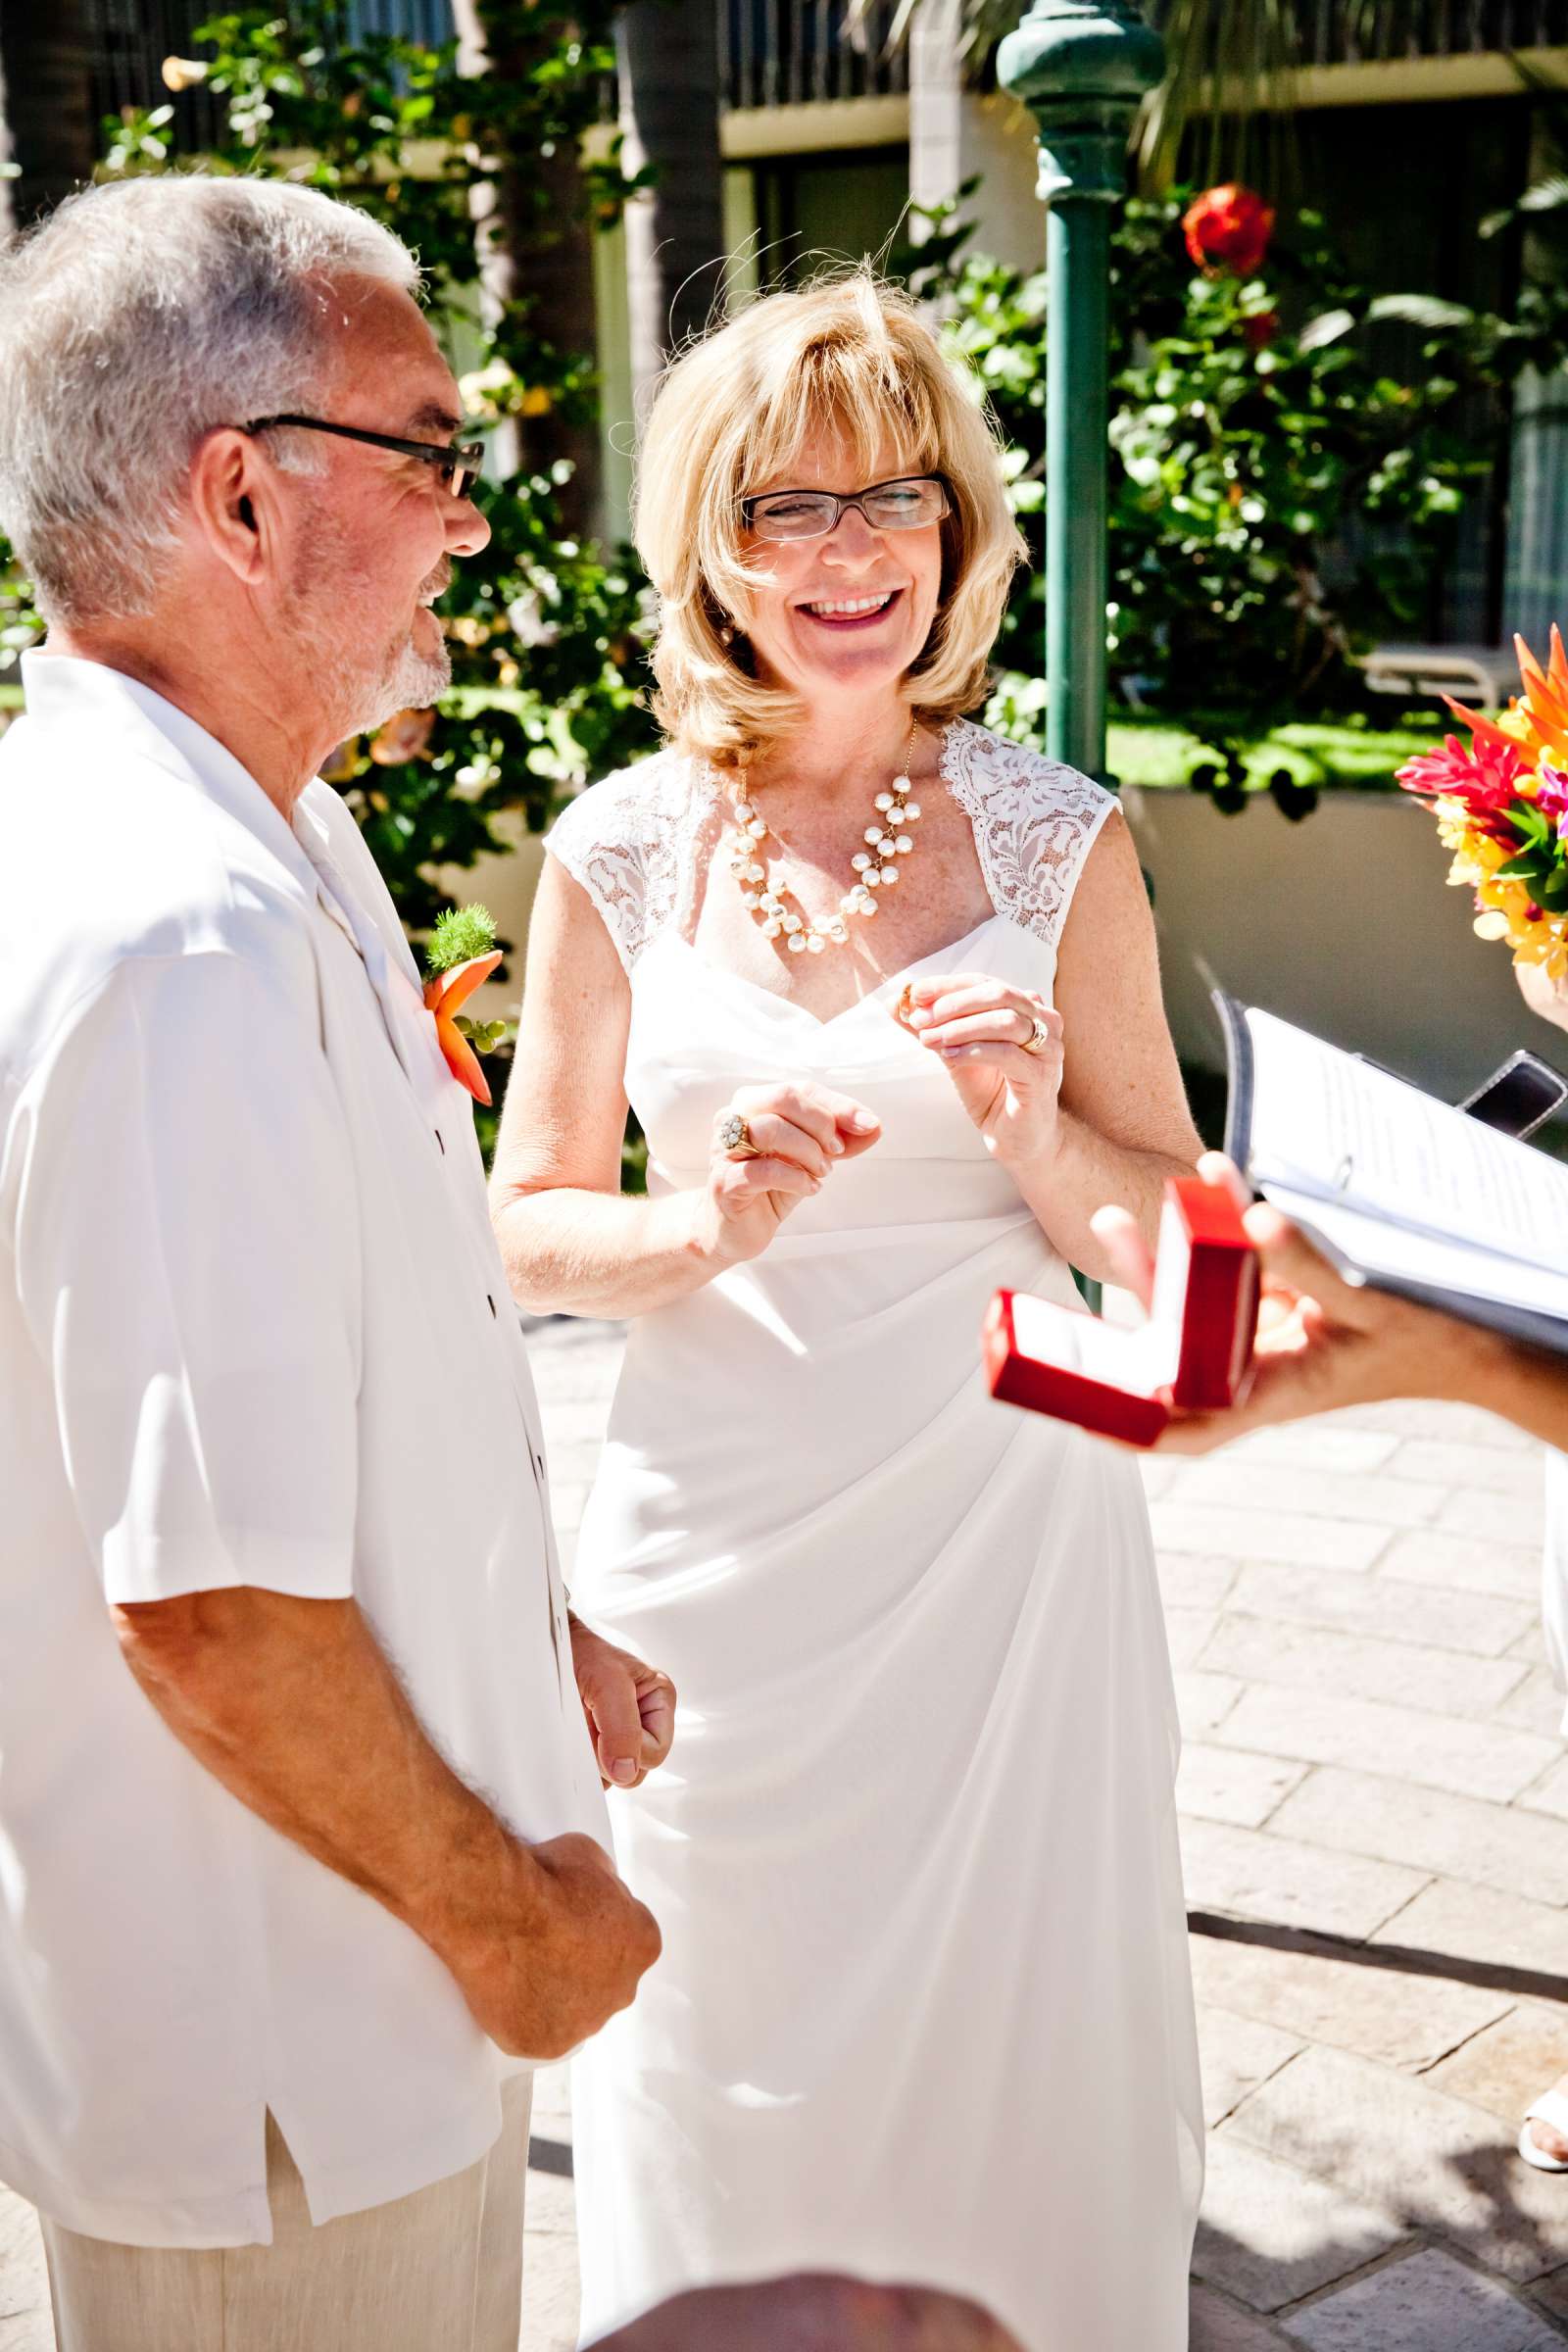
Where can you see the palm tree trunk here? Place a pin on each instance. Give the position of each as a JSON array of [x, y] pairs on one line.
[[667, 52], [536, 250]]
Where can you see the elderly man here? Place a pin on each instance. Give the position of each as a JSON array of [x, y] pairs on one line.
[[270, 1900]]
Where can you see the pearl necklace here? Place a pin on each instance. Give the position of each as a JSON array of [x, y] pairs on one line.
[[875, 865]]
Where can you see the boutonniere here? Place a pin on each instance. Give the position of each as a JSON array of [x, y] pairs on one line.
[[462, 954]]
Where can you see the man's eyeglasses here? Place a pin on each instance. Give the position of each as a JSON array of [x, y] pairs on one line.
[[904, 505], [459, 460]]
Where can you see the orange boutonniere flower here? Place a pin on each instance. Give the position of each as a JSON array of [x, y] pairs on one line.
[[463, 953]]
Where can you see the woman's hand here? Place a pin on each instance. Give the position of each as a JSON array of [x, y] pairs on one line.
[[630, 1707], [798, 1134], [982, 1030]]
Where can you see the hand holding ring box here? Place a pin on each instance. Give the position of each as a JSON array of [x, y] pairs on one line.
[[1192, 1355]]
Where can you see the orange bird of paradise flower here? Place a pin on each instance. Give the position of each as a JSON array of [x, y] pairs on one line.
[[1536, 722], [445, 995]]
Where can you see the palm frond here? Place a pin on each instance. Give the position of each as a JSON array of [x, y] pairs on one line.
[[1227, 88], [1545, 195], [1420, 309], [981, 23], [1327, 328], [1229, 66]]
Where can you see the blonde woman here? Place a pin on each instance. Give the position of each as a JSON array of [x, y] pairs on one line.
[[882, 989]]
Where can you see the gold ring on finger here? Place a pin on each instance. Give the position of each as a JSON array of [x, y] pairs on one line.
[[735, 1137], [1038, 1037]]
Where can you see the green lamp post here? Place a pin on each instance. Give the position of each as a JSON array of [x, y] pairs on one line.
[[1083, 68]]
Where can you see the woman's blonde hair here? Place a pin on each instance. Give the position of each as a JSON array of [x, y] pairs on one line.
[[847, 355]]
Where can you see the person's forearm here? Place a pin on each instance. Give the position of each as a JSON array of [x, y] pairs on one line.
[[1523, 1384], [294, 1708], [571, 1251], [1083, 1172]]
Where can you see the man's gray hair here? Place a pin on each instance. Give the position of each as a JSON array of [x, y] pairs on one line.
[[133, 321]]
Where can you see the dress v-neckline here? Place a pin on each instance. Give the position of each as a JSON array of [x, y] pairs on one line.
[[817, 1020]]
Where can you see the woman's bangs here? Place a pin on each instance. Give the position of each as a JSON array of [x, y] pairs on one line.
[[850, 391]]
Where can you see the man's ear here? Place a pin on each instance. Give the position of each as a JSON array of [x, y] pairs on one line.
[[234, 507]]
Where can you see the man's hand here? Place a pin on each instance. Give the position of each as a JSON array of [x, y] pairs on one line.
[[1321, 1343], [561, 1950], [293, 1705], [630, 1707]]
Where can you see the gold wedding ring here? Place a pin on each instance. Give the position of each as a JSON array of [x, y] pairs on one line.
[[735, 1137], [1038, 1037]]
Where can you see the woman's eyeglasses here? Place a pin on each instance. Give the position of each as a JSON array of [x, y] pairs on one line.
[[459, 460], [904, 505]]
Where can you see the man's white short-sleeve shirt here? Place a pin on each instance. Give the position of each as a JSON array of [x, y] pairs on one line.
[[254, 1329]]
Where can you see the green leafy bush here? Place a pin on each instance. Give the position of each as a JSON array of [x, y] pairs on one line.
[[546, 630], [1281, 487]]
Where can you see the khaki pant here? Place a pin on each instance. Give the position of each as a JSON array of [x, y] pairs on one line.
[[438, 2272]]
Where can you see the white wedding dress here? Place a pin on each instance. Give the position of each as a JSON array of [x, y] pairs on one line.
[[923, 2011]]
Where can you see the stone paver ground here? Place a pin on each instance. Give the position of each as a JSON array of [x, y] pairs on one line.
[[1375, 1827]]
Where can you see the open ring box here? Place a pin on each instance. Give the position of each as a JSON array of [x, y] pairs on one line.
[[1192, 1354]]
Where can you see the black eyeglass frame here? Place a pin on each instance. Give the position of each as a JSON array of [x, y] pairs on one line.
[[855, 499], [462, 462]]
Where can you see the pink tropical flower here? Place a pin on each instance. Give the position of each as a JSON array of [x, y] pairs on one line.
[[1551, 795], [1486, 778]]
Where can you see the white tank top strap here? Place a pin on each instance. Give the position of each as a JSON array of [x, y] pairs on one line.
[[1035, 823]]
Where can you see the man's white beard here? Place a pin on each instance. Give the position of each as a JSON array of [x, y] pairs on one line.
[[358, 702], [361, 692], [412, 681]]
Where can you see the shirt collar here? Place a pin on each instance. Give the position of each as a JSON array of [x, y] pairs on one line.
[[68, 687]]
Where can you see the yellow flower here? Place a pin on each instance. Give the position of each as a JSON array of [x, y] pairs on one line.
[[1515, 723], [1475, 854], [1511, 897]]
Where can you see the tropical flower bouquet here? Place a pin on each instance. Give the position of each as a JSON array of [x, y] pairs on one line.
[[1501, 806]]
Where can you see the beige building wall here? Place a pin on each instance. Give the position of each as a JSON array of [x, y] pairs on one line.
[[1343, 923]]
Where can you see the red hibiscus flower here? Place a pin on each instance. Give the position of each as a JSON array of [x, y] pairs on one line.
[[1228, 229]]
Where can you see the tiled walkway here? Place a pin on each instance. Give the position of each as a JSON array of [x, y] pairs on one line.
[[1375, 1803]]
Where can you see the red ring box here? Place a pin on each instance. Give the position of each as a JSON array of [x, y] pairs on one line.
[[1192, 1355]]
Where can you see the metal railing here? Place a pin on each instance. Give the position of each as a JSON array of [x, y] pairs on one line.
[[791, 52], [1339, 32], [1349, 31], [127, 41]]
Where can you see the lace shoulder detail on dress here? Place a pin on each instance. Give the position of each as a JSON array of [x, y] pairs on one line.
[[1033, 823], [626, 840]]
